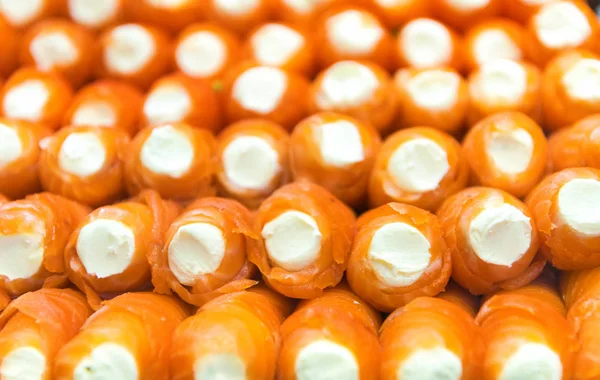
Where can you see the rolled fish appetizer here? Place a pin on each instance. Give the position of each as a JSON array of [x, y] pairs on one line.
[[577, 145]]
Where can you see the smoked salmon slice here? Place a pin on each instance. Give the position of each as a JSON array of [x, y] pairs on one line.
[[577, 145]]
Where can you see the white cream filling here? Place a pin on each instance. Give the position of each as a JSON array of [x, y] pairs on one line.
[[579, 205], [93, 13], [468, 5], [326, 360], [354, 32], [26, 101], [20, 12], [21, 254], [236, 7], [532, 361], [426, 43], [502, 81], [201, 54], [437, 363], [250, 162], [107, 361], [105, 247], [494, 44], [582, 80], [275, 44], [260, 89], [95, 114], [11, 146], [500, 235], [511, 150], [220, 367], [169, 103], [195, 250], [418, 165], [293, 240], [167, 151], [434, 89], [340, 143], [24, 363], [399, 254], [82, 154], [167, 4], [130, 48], [346, 84], [51, 50], [561, 24]]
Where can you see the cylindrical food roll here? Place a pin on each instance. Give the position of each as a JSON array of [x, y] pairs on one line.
[[396, 13], [522, 10], [171, 15], [34, 328], [577, 145], [96, 15], [419, 166], [19, 156], [239, 17], [177, 98], [107, 254], [333, 336], [431, 338], [135, 53], [21, 14], [305, 239], [282, 45], [336, 152], [359, 89], [204, 253], [425, 43], [107, 103], [177, 160], [507, 151], [247, 325], [85, 164], [60, 46], [526, 336], [504, 85], [9, 50], [271, 93], [253, 161], [461, 297], [206, 51], [129, 338], [36, 96], [493, 240], [557, 26], [34, 233], [436, 97], [569, 92], [399, 253], [566, 209], [461, 14]]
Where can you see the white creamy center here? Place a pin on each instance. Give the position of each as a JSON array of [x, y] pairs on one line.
[[435, 89], [468, 5], [511, 150], [579, 205], [582, 80], [82, 154], [532, 361], [346, 84], [130, 48], [93, 13], [494, 44], [354, 32], [20, 12], [276, 44], [167, 104], [201, 54], [340, 143], [561, 24], [167, 4], [250, 162], [167, 151], [21, 254], [23, 363], [107, 361], [95, 114], [426, 43], [502, 81], [326, 360], [26, 101], [437, 363], [260, 89], [236, 7], [220, 367], [293, 240], [11, 146], [51, 50]]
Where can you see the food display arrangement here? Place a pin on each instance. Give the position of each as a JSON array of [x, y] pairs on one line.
[[299, 189]]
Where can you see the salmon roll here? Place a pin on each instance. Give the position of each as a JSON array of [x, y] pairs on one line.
[[206, 51], [569, 89], [96, 15], [107, 103], [566, 209], [436, 97], [129, 338], [507, 151], [399, 253], [36, 96], [21, 14], [419, 166], [135, 53], [85, 164], [239, 16], [522, 10], [34, 233], [353, 33], [396, 13], [107, 254], [336, 152], [577, 145], [282, 45], [170, 15], [253, 161], [9, 50], [19, 156], [253, 91], [35, 327], [248, 326], [305, 240], [461, 14], [177, 160], [359, 89], [60, 46], [557, 26], [425, 43], [177, 98], [204, 252]]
